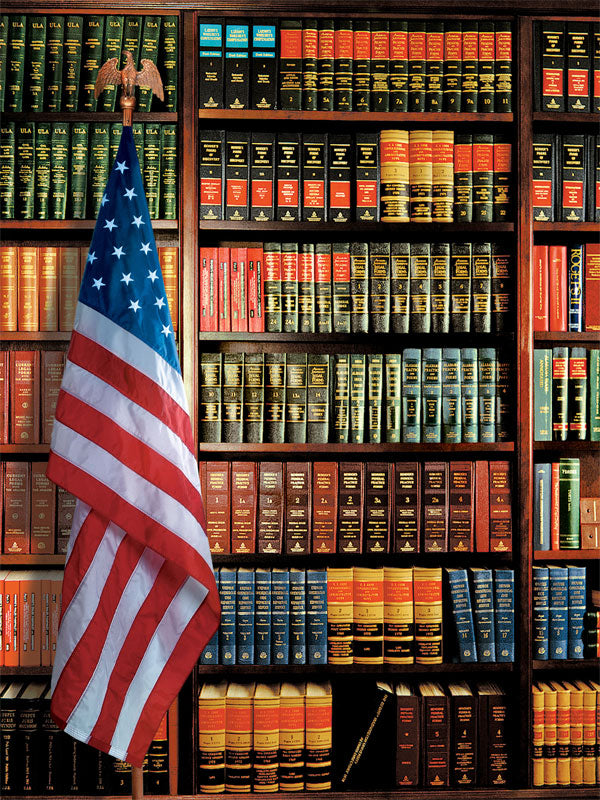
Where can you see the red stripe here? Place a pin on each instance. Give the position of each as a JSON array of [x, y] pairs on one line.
[[144, 391], [89, 537], [107, 434]]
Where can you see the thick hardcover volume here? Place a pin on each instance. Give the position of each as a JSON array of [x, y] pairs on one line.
[[340, 601], [541, 294], [435, 726], [243, 507], [540, 589], [379, 286], [289, 287], [487, 49], [470, 65], [342, 65], [291, 737], [253, 397], [168, 60], [361, 72], [298, 513], [113, 40], [168, 172], [263, 87], [411, 395], [236, 176], [481, 287], [91, 59], [217, 506], [238, 737], [463, 735], [434, 66], [494, 732], [288, 177], [212, 162], [210, 654], [7, 169], [575, 259], [210, 425], [306, 288], [398, 616], [550, 58], [339, 177], [420, 288], [500, 507], [274, 413], [295, 405], [24, 178], [543, 186], [152, 168], [408, 736], [407, 508], [595, 79], [350, 507], [15, 63], [470, 394], [504, 616], [431, 387], [315, 190], [483, 613], [558, 612], [542, 394], [577, 43], [52, 366], [560, 394], [224, 283], [461, 507], [237, 65], [4, 397], [310, 74], [318, 736], [503, 67], [270, 507], [341, 298], [451, 395], [375, 397], [209, 298], [280, 616], [325, 64], [25, 397], [265, 738], [417, 65], [367, 176], [378, 506], [262, 167], [262, 616], [244, 616], [65, 508], [541, 507], [254, 290], [483, 177], [367, 626], [442, 172], [571, 204], [359, 287], [380, 65], [272, 286], [340, 397], [569, 483], [594, 395], [435, 507], [54, 63], [60, 169], [36, 39], [577, 606], [232, 397], [17, 514], [358, 397], [462, 613], [452, 79], [149, 49], [502, 178], [463, 177], [420, 170], [440, 287], [460, 286], [394, 182], [322, 288], [324, 507], [487, 380], [290, 65], [210, 87], [393, 400], [399, 286], [28, 289], [79, 172], [398, 69], [577, 393]]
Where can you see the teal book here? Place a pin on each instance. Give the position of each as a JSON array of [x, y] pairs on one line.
[[43, 164], [316, 616], [317, 398], [98, 165], [210, 654], [393, 397], [483, 613], [462, 612], [340, 398], [451, 396], [91, 59], [594, 395], [487, 375], [298, 616], [431, 382], [357, 397], [79, 169], [577, 576], [375, 397], [3, 51], [168, 171], [60, 170], [36, 63], [569, 491], [55, 28], [25, 170], [149, 50], [262, 616], [152, 166], [15, 62], [244, 613], [469, 394], [411, 395], [7, 170], [167, 62], [113, 43], [542, 394], [504, 614], [73, 39]]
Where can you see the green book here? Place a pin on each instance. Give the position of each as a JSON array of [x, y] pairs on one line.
[[113, 42], [43, 167], [25, 170], [91, 60], [15, 62], [357, 397], [138, 139], [79, 170], [295, 398], [411, 395], [481, 287], [114, 140], [3, 54], [254, 396], [98, 167], [7, 170], [487, 376], [379, 286], [323, 322], [60, 170], [209, 401], [72, 62], [440, 287], [451, 396], [359, 287], [274, 426], [317, 398], [233, 401], [420, 288], [340, 272], [151, 172], [132, 38], [36, 62], [54, 62], [469, 395], [578, 391], [149, 50], [168, 172], [289, 287], [375, 397], [568, 503], [594, 395], [393, 397], [169, 34], [431, 382], [340, 398], [399, 286], [542, 395]]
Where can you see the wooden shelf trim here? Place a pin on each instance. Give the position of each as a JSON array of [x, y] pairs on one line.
[[29, 560], [360, 228], [403, 117], [72, 224], [568, 337], [24, 449], [568, 447], [566, 555], [372, 340], [567, 664], [566, 118], [567, 227], [35, 336], [367, 449], [351, 669], [320, 560]]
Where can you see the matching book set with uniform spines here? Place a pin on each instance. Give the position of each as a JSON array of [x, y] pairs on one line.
[[40, 759], [566, 394], [51, 62], [40, 286], [390, 176], [307, 736], [426, 395], [298, 508], [566, 732], [356, 65], [362, 615], [357, 287], [59, 170], [566, 177], [566, 66]]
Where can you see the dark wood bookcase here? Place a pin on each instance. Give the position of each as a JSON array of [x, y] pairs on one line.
[[521, 233]]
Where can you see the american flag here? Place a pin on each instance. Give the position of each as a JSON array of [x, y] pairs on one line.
[[139, 594]]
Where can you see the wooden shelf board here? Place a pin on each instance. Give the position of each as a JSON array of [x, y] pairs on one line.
[[567, 227], [71, 224], [373, 340], [352, 669], [16, 672], [404, 117], [566, 117], [87, 116], [570, 663], [320, 560], [35, 336], [366, 449], [24, 449], [29, 560], [568, 447], [360, 228], [568, 337], [566, 555]]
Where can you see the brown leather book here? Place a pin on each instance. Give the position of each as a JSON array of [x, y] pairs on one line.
[[25, 396], [463, 735], [324, 506], [4, 396], [407, 507], [298, 497], [218, 506], [243, 507], [17, 507], [493, 735], [351, 507], [436, 736], [460, 520], [270, 507], [28, 291], [43, 510], [500, 507], [69, 269], [482, 507], [408, 733], [378, 507], [52, 367], [435, 507]]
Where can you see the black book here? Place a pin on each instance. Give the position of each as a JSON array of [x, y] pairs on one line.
[[254, 396], [399, 286], [325, 61], [483, 177], [274, 425], [503, 67], [341, 300], [440, 287], [417, 60], [549, 65], [420, 288], [572, 184], [470, 65], [262, 177], [310, 75], [434, 66], [232, 397], [485, 93], [237, 64], [579, 65], [460, 287], [209, 404], [359, 287], [263, 86], [398, 65], [322, 289], [361, 77], [287, 165], [451, 85], [237, 153], [544, 186], [367, 177], [212, 168], [210, 68], [379, 286], [317, 398], [502, 287], [380, 65], [339, 177], [314, 170], [342, 65], [481, 287], [595, 91], [289, 287], [295, 398]]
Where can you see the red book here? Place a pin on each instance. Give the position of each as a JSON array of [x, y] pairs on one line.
[[43, 510], [270, 507], [557, 287], [325, 506], [48, 267], [351, 507], [25, 396], [53, 364], [482, 506], [592, 286], [29, 619], [500, 507], [28, 293], [243, 506], [239, 282], [10, 612], [298, 496], [9, 259], [460, 519], [69, 268], [217, 506], [209, 305], [65, 508], [17, 507], [407, 507], [540, 287], [555, 507], [224, 289], [4, 396], [255, 291], [435, 507]]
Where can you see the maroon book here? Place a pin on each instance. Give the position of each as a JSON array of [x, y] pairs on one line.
[[324, 506], [500, 507], [436, 740], [25, 396], [493, 736], [53, 364], [482, 507], [217, 506], [297, 507], [435, 507], [351, 507], [463, 737], [408, 742], [43, 510], [460, 519], [4, 395], [378, 507], [243, 506], [407, 507], [270, 507], [17, 507]]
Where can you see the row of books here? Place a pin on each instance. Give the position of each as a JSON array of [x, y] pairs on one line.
[[566, 287], [566, 177], [566, 64], [356, 65], [562, 520], [40, 285], [358, 287], [565, 732], [429, 395], [355, 507], [51, 62], [566, 394], [40, 759], [390, 176], [36, 515], [559, 599], [59, 170]]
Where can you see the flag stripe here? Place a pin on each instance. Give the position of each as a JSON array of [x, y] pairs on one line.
[[82, 548]]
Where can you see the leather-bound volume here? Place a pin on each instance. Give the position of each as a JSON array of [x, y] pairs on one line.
[[325, 65], [483, 177], [399, 286], [398, 65], [209, 402], [25, 396], [65, 508], [435, 507], [340, 397], [288, 177], [290, 65], [503, 67], [417, 60], [487, 49], [254, 397], [407, 507], [578, 41], [243, 506], [9, 259], [494, 733], [322, 288], [339, 177], [358, 397], [502, 287], [452, 65], [28, 291], [503, 179], [224, 287], [361, 65], [463, 177], [274, 414], [270, 507], [572, 185], [350, 507], [367, 177], [482, 507], [359, 287], [341, 299], [289, 287], [436, 736], [408, 737], [560, 396], [4, 397], [375, 405], [310, 52], [298, 501], [238, 286], [543, 186], [263, 87], [481, 287], [460, 287], [420, 170], [392, 411], [218, 505], [440, 287], [342, 65], [500, 507], [53, 364], [470, 65], [461, 507], [69, 259], [255, 290], [324, 506], [380, 65], [395, 171], [463, 734], [210, 82], [237, 153], [314, 172], [420, 288], [306, 287], [434, 66], [379, 286], [43, 510], [295, 398], [442, 176], [550, 60], [378, 506], [262, 177], [272, 286], [211, 164], [578, 394], [237, 65], [17, 507], [232, 397]]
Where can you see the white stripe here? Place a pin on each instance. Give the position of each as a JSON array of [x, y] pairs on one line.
[[182, 608], [79, 517], [85, 714], [134, 489], [129, 348], [131, 417], [84, 602]]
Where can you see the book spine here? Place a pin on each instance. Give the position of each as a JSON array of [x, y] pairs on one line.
[[25, 396], [9, 301], [470, 66], [440, 287], [379, 286], [572, 178], [420, 175], [232, 397], [340, 600], [559, 406], [393, 399], [592, 287], [91, 60], [359, 287], [497, 723], [595, 88], [7, 168], [17, 527], [350, 507], [398, 65], [394, 191], [263, 87], [322, 288], [463, 735], [540, 600], [577, 393], [435, 507], [227, 628], [451, 395], [487, 378], [398, 616], [504, 606], [253, 397], [544, 185], [28, 289], [217, 506], [270, 507], [295, 403], [341, 299], [262, 616], [113, 40], [291, 742], [411, 395], [210, 654], [314, 170], [15, 63], [540, 288], [461, 507], [52, 366], [420, 288], [210, 406], [367, 173], [339, 177], [569, 493], [236, 176], [502, 179], [407, 507], [290, 65], [541, 507], [317, 398], [298, 616], [342, 66], [481, 287], [298, 512], [340, 398], [431, 383], [469, 369], [378, 493], [324, 507], [553, 67], [318, 738], [361, 65], [408, 732], [265, 742], [325, 64], [358, 397], [79, 172], [262, 168], [460, 287], [483, 614], [316, 616], [434, 67], [211, 162], [577, 604], [168, 49], [503, 67], [167, 178], [280, 616], [288, 177], [436, 744], [594, 395], [417, 64], [399, 286], [306, 288], [500, 507], [442, 176], [463, 615], [210, 67], [380, 65], [463, 177], [367, 626], [543, 384], [237, 65], [244, 614], [24, 192], [578, 66], [149, 49], [36, 43], [558, 612], [483, 177], [487, 52], [243, 507], [452, 65]]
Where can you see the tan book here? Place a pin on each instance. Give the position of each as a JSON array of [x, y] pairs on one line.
[[318, 736], [238, 737], [266, 737], [291, 737], [211, 737]]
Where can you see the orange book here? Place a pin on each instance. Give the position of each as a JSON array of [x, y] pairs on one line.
[[25, 396], [68, 285], [28, 291], [291, 737], [266, 737], [9, 260], [211, 737], [318, 736], [169, 264], [29, 619], [428, 615], [43, 510], [339, 615], [10, 628], [55, 606], [48, 267]]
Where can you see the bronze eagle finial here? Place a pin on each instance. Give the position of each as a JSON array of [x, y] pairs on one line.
[[128, 78]]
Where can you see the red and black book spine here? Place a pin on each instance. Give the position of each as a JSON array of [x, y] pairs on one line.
[[503, 67], [595, 89], [550, 59], [340, 175], [483, 177], [310, 50], [417, 61], [288, 177], [398, 65], [289, 287], [341, 299], [380, 65], [572, 178], [463, 177], [361, 66], [314, 171], [351, 507], [592, 286], [325, 65], [342, 65], [323, 299], [270, 507], [298, 516], [502, 178], [487, 51], [543, 187], [579, 64], [470, 65], [407, 507], [237, 147], [224, 288], [212, 168], [578, 391], [290, 65], [367, 177], [262, 174], [435, 507], [434, 57], [436, 741], [452, 83]]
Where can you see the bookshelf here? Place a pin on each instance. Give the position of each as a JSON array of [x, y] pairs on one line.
[[189, 233]]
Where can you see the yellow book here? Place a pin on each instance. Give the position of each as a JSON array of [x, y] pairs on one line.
[[398, 616], [211, 737], [266, 737], [563, 733], [318, 736], [442, 176], [238, 737], [537, 702], [291, 737], [340, 600], [368, 615], [428, 615], [394, 176], [420, 175], [596, 687], [589, 731], [550, 734], [576, 733]]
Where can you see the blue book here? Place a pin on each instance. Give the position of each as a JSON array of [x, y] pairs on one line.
[[245, 616], [297, 616], [486, 388], [411, 394], [542, 474], [210, 654], [463, 614], [540, 591], [504, 614], [575, 274], [262, 616], [316, 615], [558, 633], [280, 616], [469, 394], [577, 588], [483, 613], [227, 595], [431, 382], [451, 395]]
